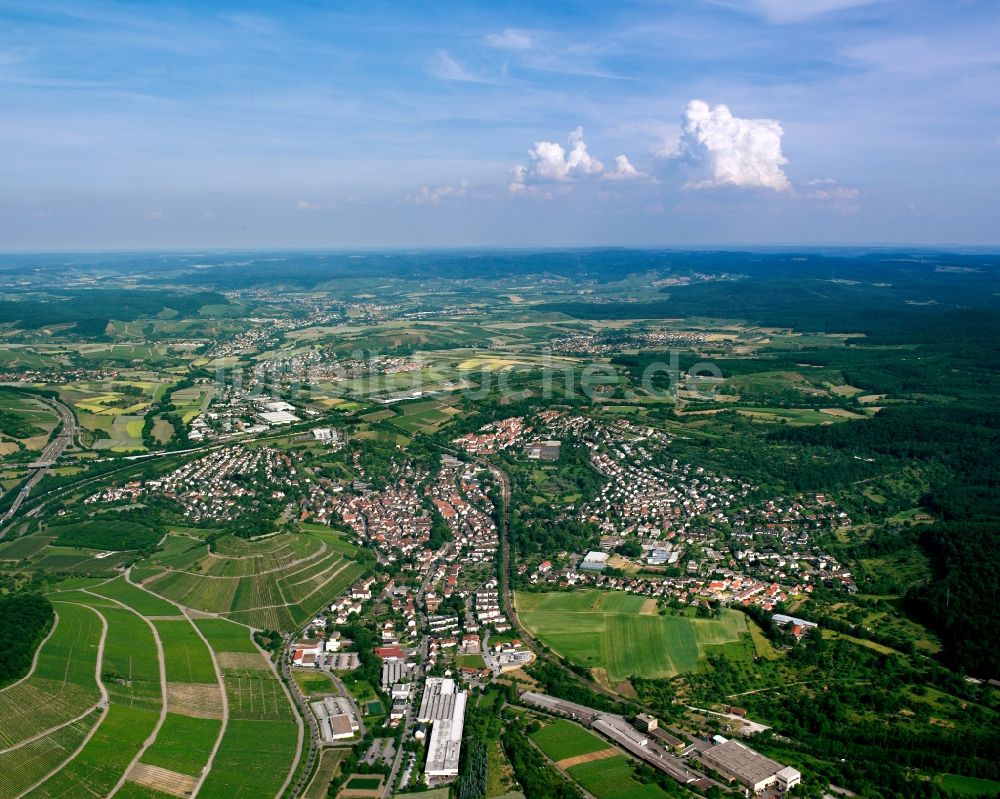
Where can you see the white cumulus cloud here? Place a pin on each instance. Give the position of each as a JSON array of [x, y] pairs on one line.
[[726, 150], [553, 163], [624, 170]]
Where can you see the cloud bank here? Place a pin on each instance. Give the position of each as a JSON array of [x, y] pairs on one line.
[[726, 150]]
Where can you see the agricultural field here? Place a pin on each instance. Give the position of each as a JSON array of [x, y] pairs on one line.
[[187, 657], [63, 684], [623, 635], [263, 730], [275, 583], [31, 762], [563, 739], [614, 778], [157, 734], [424, 417]]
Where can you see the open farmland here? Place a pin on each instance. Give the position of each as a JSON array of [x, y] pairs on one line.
[[614, 778], [105, 758], [30, 762], [183, 744], [275, 583], [263, 732], [562, 739], [158, 732], [617, 632], [24, 419], [63, 684]]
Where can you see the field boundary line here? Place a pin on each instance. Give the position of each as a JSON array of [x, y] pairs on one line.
[[225, 710], [163, 690], [38, 653], [103, 704], [218, 676], [299, 723]]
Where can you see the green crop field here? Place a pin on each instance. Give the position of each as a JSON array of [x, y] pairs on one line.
[[253, 760], [187, 657], [25, 547], [562, 739], [614, 778], [104, 758], [256, 694], [131, 790], [142, 601], [274, 583], [183, 744], [63, 685], [24, 766], [967, 786], [225, 636], [130, 669], [623, 634]]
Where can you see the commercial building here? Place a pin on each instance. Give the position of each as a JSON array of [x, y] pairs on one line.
[[748, 767], [443, 705], [277, 417], [335, 717]]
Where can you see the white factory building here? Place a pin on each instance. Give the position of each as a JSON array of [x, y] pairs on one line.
[[443, 705]]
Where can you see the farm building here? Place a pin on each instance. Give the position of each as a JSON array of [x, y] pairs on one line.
[[748, 767]]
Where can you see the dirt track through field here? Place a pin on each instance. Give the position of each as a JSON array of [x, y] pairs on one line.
[[604, 754]]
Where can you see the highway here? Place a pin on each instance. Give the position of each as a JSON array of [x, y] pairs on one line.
[[49, 456]]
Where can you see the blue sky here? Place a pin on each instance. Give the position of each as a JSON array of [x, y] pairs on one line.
[[335, 124]]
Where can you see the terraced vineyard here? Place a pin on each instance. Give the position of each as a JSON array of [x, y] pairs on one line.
[[275, 583], [131, 697]]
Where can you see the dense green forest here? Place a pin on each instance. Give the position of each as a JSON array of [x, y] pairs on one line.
[[24, 621], [961, 602], [90, 310]]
